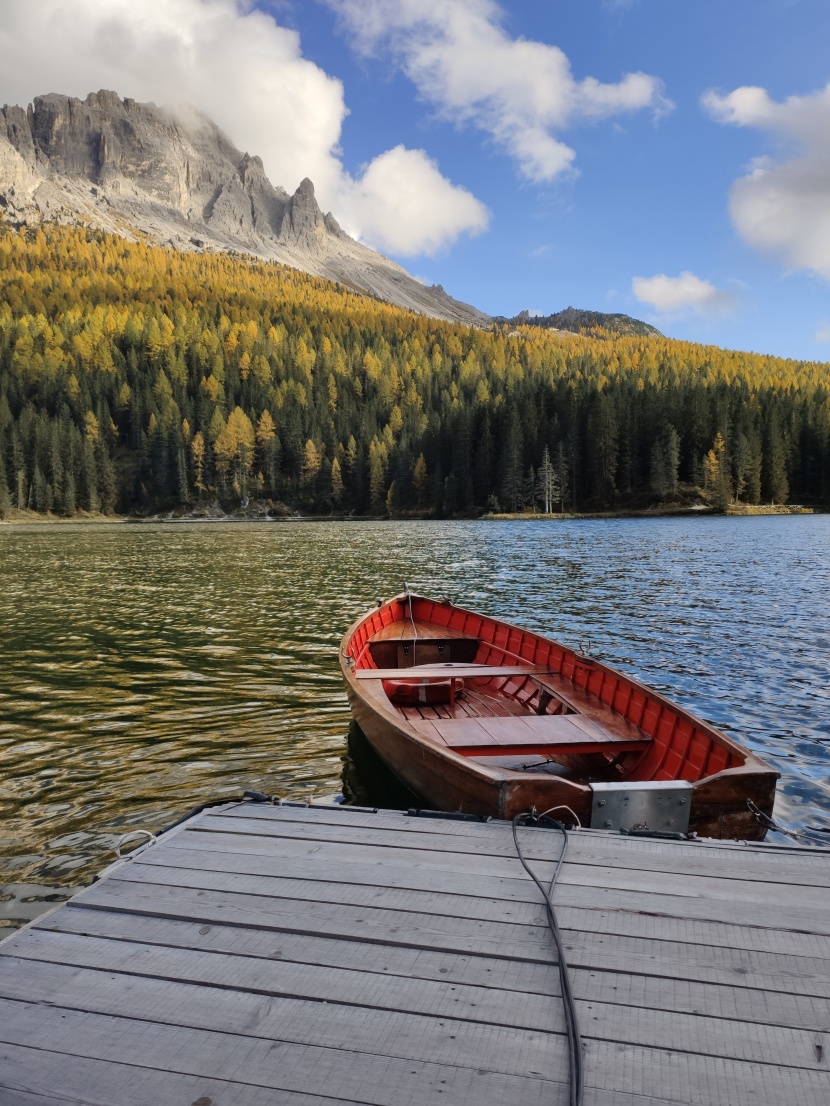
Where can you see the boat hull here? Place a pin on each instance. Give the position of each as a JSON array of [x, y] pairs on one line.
[[449, 781]]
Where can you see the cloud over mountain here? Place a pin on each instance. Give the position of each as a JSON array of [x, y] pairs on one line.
[[681, 294], [248, 73]]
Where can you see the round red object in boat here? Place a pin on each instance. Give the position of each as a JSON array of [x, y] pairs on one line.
[[413, 693]]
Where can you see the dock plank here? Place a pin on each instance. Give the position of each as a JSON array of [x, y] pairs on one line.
[[404, 1035], [592, 848], [715, 963], [29, 1076], [618, 981], [385, 1080], [655, 928], [774, 915], [300, 1068], [130, 1085], [270, 976], [287, 954], [339, 846]]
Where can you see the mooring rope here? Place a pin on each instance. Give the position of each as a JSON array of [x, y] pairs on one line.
[[770, 823]]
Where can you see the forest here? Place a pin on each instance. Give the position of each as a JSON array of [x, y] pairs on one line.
[[135, 378]]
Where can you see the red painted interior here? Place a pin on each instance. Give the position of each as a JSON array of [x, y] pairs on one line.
[[681, 748]]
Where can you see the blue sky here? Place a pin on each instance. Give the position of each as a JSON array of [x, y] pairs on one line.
[[665, 158], [649, 197]]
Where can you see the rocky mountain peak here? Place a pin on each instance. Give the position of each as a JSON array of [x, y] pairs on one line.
[[173, 174]]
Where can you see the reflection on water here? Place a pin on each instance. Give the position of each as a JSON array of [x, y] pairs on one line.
[[145, 669], [366, 779]]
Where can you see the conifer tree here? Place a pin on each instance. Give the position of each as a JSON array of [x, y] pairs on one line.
[[421, 482], [511, 484], [337, 488], [5, 497]]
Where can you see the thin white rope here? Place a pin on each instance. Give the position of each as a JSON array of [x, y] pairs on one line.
[[125, 837]]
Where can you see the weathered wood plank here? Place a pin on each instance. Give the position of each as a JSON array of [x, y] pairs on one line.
[[17, 1097], [31, 1076], [674, 1076], [399, 1034], [309, 955], [623, 923], [255, 1061], [774, 916], [86, 1082], [403, 1035], [245, 837], [358, 953], [513, 899], [614, 981], [717, 964], [737, 852], [693, 886], [339, 813], [586, 848], [410, 926], [478, 897], [753, 856], [271, 976]]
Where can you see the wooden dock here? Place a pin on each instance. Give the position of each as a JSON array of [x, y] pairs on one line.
[[267, 955]]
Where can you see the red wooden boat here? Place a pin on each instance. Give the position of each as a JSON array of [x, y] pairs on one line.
[[476, 715]]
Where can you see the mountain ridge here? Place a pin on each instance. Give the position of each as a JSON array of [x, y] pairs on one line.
[[576, 320], [127, 167]]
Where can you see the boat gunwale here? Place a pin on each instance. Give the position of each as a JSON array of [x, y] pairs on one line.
[[751, 763]]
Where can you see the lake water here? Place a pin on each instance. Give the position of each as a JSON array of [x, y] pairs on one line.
[[145, 669]]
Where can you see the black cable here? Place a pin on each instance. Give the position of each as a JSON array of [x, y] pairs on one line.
[[571, 1023]]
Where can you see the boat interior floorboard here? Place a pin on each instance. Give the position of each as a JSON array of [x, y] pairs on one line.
[[471, 704]]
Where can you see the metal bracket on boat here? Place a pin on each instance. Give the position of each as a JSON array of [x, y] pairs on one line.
[[642, 807]]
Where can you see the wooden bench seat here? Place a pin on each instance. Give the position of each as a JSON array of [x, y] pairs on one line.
[[422, 631], [589, 706], [445, 671], [530, 735]]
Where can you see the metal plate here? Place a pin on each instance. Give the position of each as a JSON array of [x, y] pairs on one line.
[[662, 807]]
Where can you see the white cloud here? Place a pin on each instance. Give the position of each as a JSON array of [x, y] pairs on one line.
[[823, 333], [782, 205], [249, 75], [687, 292], [402, 197], [521, 93]]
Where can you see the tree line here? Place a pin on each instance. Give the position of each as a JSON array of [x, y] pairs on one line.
[[134, 378]]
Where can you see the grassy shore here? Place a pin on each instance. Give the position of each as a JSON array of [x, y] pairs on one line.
[[735, 509], [16, 516]]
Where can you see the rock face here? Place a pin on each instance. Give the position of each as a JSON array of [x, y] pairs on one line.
[[125, 166]]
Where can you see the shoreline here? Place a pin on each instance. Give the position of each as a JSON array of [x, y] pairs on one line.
[[739, 510], [19, 517]]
